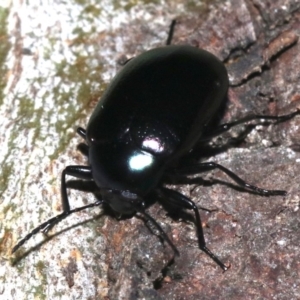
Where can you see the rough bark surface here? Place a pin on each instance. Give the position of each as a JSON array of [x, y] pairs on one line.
[[54, 80]]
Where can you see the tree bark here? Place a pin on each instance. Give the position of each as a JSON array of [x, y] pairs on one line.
[[61, 58]]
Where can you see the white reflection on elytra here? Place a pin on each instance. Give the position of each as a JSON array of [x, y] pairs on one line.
[[139, 161]]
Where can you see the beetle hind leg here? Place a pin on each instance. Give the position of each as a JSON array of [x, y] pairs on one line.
[[266, 120], [171, 33], [209, 166]]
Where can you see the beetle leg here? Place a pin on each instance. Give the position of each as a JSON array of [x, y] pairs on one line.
[[171, 32], [186, 203], [123, 63], [83, 148], [161, 231], [42, 227], [227, 126], [82, 172], [81, 132], [208, 166], [168, 42]]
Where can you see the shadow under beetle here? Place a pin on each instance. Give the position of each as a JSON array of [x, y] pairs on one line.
[[152, 115]]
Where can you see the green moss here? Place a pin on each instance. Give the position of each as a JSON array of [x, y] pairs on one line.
[[11, 207], [4, 48], [127, 5], [19, 264], [6, 170], [83, 76], [92, 11], [41, 268], [39, 292]]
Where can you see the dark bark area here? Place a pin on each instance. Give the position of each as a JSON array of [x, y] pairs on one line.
[[256, 235]]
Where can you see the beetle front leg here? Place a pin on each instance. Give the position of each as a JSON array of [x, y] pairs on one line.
[[51, 222], [82, 172], [181, 201]]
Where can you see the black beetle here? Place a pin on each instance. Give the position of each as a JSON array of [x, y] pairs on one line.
[[155, 111]]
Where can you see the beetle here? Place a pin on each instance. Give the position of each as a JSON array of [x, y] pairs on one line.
[[152, 115]]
